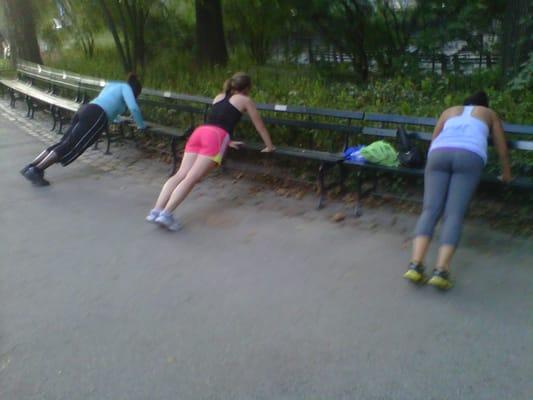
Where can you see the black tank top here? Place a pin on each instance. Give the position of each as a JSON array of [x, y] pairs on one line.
[[224, 115]]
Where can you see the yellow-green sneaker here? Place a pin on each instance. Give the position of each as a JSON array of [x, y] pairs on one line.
[[441, 279], [415, 273]]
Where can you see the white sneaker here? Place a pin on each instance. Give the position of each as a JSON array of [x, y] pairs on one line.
[[168, 221], [153, 215]]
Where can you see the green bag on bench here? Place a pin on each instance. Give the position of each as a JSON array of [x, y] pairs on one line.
[[381, 153]]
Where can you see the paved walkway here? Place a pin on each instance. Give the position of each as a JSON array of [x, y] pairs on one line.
[[260, 297]]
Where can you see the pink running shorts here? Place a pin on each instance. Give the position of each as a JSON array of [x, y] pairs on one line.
[[208, 140]]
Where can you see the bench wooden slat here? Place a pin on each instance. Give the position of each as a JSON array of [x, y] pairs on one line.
[[324, 112], [164, 130], [51, 75], [310, 124], [520, 145], [299, 153], [176, 96], [40, 95], [383, 132], [174, 106], [518, 129], [400, 119]]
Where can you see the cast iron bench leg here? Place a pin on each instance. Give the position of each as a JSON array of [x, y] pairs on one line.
[[54, 117], [322, 189], [33, 107], [30, 106], [108, 141], [13, 98], [357, 211], [342, 178], [60, 118]]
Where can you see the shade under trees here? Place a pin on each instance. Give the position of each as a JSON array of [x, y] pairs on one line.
[[19, 15], [517, 37], [127, 21], [210, 38]]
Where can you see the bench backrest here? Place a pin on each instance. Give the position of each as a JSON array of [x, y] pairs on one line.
[[299, 124], [520, 137], [52, 78]]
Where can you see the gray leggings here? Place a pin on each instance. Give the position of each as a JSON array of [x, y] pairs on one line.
[[450, 180]]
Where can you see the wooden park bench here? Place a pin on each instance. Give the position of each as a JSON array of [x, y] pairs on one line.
[[384, 126], [311, 125]]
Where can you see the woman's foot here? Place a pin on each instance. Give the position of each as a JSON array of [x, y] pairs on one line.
[[168, 221], [23, 170], [35, 176], [441, 279], [152, 216], [415, 273]]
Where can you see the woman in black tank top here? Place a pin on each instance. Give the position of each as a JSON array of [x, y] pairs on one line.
[[206, 146], [224, 115]]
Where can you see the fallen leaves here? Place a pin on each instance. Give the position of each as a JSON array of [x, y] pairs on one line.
[[338, 217]]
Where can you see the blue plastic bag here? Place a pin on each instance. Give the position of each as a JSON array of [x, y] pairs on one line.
[[353, 155]]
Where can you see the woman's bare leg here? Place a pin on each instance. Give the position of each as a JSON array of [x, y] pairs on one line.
[[200, 168], [444, 258], [420, 248], [186, 164]]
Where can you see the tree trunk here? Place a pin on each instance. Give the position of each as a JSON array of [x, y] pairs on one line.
[[127, 63], [516, 40], [21, 30], [210, 38]]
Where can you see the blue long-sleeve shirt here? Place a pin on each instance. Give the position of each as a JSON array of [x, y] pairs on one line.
[[114, 98]]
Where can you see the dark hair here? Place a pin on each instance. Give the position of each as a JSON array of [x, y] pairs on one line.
[[477, 99], [237, 83], [135, 83]]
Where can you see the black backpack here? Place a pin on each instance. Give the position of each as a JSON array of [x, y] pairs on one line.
[[408, 154]]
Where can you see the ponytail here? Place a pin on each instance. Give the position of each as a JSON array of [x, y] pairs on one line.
[[237, 83], [477, 99], [228, 87], [135, 84]]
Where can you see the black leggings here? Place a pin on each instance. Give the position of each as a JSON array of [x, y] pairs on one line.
[[86, 128]]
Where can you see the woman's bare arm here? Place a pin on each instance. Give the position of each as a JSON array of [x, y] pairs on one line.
[[500, 143], [251, 109], [439, 125], [218, 97]]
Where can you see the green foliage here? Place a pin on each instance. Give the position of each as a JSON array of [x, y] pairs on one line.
[[524, 79], [311, 86], [257, 24], [80, 24]]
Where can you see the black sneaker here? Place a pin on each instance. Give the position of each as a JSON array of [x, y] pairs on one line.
[[35, 176], [415, 273], [441, 279], [23, 170]]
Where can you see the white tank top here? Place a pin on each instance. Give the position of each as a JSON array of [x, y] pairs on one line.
[[463, 132]]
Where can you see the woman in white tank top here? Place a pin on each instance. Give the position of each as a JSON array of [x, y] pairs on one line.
[[457, 155]]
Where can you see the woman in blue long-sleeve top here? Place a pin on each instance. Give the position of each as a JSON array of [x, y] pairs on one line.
[[87, 126]]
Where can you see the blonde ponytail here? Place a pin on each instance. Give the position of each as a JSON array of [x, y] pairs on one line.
[[228, 87], [237, 83]]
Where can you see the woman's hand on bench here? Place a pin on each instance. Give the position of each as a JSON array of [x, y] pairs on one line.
[[235, 145], [268, 149], [505, 177]]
